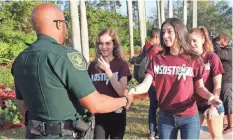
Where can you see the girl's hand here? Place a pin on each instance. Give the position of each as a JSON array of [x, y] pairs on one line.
[[103, 64], [216, 102], [211, 112]]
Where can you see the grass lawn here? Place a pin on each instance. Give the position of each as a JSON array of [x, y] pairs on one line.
[[137, 127]]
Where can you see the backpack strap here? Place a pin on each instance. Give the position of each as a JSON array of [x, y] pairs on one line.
[[152, 46]]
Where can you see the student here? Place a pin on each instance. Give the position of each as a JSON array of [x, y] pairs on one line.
[[175, 73], [155, 42], [212, 79], [224, 51], [110, 75]]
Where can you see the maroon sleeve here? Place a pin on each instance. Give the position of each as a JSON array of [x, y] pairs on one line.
[[216, 65], [124, 71], [198, 71]]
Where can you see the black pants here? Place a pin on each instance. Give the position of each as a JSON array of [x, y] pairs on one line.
[[110, 125]]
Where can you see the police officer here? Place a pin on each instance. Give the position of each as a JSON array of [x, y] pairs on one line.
[[52, 82]]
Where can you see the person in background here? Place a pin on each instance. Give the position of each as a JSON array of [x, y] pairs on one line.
[[212, 78], [110, 75], [155, 43], [224, 51]]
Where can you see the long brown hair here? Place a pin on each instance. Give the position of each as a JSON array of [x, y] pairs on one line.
[[203, 32], [182, 36], [117, 48]]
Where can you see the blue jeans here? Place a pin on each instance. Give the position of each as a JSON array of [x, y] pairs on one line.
[[169, 125], [202, 109], [152, 110], [220, 109]]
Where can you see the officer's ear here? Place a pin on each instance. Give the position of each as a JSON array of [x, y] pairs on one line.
[[59, 25]]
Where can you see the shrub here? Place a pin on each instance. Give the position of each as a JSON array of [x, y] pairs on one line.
[[92, 52], [137, 49], [6, 78], [125, 49], [10, 112]]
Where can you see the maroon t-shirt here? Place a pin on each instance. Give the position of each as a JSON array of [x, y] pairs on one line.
[[213, 67], [174, 78], [100, 80]]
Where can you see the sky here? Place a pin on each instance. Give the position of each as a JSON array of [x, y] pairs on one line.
[[151, 7]]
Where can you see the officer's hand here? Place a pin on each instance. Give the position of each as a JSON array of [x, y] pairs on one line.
[[130, 99], [126, 92], [103, 64]]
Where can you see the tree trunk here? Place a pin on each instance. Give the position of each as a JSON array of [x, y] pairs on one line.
[[194, 13], [84, 30], [170, 8], [158, 14], [75, 26], [141, 23], [162, 10], [135, 14], [185, 12], [144, 18], [130, 15]]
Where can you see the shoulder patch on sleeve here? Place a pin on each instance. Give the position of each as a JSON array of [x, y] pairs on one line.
[[77, 60]]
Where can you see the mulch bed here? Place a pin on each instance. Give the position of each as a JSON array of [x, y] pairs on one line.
[[6, 66], [9, 126]]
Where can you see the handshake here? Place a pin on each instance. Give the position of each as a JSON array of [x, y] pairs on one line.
[[129, 98]]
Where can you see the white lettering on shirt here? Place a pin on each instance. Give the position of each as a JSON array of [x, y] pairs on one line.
[[181, 71], [207, 66], [103, 77]]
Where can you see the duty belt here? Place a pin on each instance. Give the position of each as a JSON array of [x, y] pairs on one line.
[[63, 128]]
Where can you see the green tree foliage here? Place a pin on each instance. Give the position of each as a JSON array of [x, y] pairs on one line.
[[99, 19], [19, 13], [216, 17], [112, 5], [15, 29]]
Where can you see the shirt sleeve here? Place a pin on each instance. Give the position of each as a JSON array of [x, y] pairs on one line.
[[71, 68], [216, 65], [198, 71], [124, 71], [18, 94], [150, 67]]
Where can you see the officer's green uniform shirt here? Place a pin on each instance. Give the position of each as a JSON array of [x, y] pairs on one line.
[[50, 78]]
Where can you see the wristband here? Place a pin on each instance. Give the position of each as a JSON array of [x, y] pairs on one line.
[[127, 100], [211, 98]]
